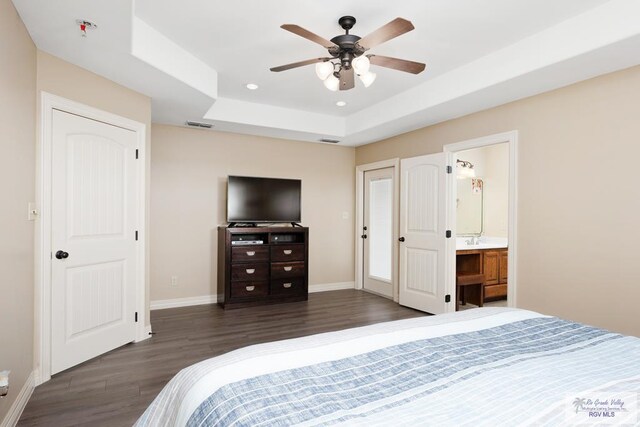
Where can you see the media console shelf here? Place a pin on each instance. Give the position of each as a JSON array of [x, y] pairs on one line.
[[262, 265]]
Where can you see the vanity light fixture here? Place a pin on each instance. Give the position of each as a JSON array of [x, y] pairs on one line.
[[464, 169]]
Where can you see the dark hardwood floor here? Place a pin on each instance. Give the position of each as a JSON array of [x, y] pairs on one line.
[[115, 388]]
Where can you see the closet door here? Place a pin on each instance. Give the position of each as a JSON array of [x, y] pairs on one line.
[[93, 223]]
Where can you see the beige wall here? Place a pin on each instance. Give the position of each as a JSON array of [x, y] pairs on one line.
[[578, 194], [69, 81], [17, 172], [496, 191], [188, 201]]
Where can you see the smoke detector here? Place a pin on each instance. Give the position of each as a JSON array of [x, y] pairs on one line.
[[84, 26]]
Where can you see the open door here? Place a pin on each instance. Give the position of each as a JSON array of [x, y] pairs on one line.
[[425, 276]]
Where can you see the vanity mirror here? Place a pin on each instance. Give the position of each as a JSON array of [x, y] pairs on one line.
[[469, 206]]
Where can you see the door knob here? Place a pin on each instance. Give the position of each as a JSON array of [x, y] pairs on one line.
[[401, 239], [62, 255], [364, 236]]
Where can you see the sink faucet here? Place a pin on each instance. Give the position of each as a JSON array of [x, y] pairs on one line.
[[474, 240]]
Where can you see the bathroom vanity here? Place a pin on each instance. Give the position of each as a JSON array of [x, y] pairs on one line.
[[488, 257]]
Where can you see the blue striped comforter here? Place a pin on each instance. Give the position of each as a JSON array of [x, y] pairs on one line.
[[488, 366]]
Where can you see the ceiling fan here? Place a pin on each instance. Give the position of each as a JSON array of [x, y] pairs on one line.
[[349, 50]]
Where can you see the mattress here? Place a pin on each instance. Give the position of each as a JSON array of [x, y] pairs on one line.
[[487, 366]]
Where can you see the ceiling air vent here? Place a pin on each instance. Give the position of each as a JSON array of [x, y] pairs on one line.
[[333, 141], [198, 124]]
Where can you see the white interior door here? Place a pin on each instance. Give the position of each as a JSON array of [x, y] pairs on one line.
[[424, 246], [93, 223], [378, 232]]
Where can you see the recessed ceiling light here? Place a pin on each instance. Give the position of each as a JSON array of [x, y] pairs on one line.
[[252, 86], [341, 103]]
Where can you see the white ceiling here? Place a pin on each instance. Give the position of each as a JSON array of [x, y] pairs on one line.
[[194, 57]]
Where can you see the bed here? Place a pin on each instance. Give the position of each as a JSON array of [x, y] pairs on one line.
[[487, 366]]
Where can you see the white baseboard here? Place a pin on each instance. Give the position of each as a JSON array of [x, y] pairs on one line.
[[183, 302], [12, 417], [213, 299], [324, 287]]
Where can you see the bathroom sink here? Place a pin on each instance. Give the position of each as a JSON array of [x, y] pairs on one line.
[[485, 242]]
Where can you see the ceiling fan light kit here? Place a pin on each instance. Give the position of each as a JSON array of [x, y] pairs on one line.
[[324, 69], [361, 65], [332, 83], [347, 54], [368, 78]]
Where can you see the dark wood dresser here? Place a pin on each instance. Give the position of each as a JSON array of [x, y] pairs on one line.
[[273, 271]]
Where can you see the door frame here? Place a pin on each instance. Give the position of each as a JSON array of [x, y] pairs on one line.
[[43, 262], [360, 170], [510, 138]]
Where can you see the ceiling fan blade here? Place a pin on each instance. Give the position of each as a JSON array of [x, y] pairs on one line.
[[296, 29], [298, 64], [347, 79], [397, 64], [393, 29]]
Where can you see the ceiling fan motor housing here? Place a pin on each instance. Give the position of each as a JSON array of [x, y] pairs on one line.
[[347, 44], [347, 49]]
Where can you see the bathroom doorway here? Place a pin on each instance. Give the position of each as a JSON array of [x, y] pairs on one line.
[[484, 211]]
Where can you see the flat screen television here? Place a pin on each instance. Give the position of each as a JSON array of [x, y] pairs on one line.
[[253, 199]]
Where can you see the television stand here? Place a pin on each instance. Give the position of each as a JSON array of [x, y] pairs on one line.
[[273, 271]]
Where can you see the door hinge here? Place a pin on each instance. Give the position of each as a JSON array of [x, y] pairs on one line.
[[449, 169], [447, 298], [448, 234], [137, 153], [136, 234], [136, 317]]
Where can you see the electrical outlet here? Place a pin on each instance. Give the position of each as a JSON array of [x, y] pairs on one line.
[[174, 281]]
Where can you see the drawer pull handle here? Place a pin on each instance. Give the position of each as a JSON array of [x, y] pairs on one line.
[[286, 285], [287, 268], [287, 251], [250, 288], [251, 253], [251, 270]]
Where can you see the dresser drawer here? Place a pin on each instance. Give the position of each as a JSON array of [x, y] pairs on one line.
[[284, 287], [249, 289], [250, 253], [287, 253], [250, 271], [287, 269]]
